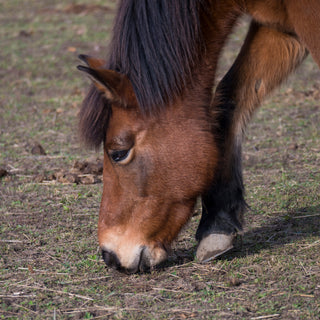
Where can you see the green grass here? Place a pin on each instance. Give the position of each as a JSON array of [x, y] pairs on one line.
[[50, 266]]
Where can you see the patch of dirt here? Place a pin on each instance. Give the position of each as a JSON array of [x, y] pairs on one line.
[[85, 8], [80, 9], [82, 172]]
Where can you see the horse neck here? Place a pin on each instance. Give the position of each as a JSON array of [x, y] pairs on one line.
[[217, 23]]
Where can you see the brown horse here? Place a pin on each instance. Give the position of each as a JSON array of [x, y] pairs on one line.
[[167, 139]]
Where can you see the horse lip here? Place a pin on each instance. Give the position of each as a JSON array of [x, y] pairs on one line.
[[144, 263], [110, 259]]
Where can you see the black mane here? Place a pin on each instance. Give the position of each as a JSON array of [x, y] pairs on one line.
[[156, 44]]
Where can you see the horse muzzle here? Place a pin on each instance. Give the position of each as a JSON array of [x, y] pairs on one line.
[[141, 260]]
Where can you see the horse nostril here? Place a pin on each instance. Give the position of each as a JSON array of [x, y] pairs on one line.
[[144, 263], [141, 263], [111, 259]]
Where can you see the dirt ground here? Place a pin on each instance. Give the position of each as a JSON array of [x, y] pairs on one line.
[[50, 189]]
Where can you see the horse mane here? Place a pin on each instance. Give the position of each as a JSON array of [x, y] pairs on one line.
[[156, 44]]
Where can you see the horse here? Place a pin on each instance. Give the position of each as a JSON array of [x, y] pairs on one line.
[[167, 138]]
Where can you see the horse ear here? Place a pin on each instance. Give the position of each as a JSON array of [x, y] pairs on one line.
[[92, 62], [114, 86]]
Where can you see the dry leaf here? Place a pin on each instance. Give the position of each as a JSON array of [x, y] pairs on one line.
[[71, 49]]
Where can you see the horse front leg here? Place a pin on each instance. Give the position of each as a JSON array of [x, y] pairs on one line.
[[267, 57]]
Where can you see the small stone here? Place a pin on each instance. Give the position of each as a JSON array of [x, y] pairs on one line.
[[39, 178], [79, 165], [71, 178], [88, 167], [293, 146], [89, 179], [3, 172], [51, 176], [234, 282], [67, 177], [95, 168], [37, 149], [25, 33]]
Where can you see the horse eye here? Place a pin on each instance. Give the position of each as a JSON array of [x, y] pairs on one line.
[[119, 155]]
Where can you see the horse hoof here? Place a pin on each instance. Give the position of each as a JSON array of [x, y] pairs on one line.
[[213, 246]]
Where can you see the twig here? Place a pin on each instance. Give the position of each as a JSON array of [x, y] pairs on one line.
[[170, 290], [48, 182], [95, 308], [219, 269], [174, 275], [12, 168], [57, 291], [310, 245], [86, 279], [17, 213], [304, 295], [52, 257], [24, 175], [11, 241], [266, 317], [304, 269], [16, 296], [20, 306], [307, 216], [182, 265], [185, 310], [43, 271]]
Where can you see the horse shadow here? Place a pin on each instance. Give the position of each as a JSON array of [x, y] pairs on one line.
[[276, 231]]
